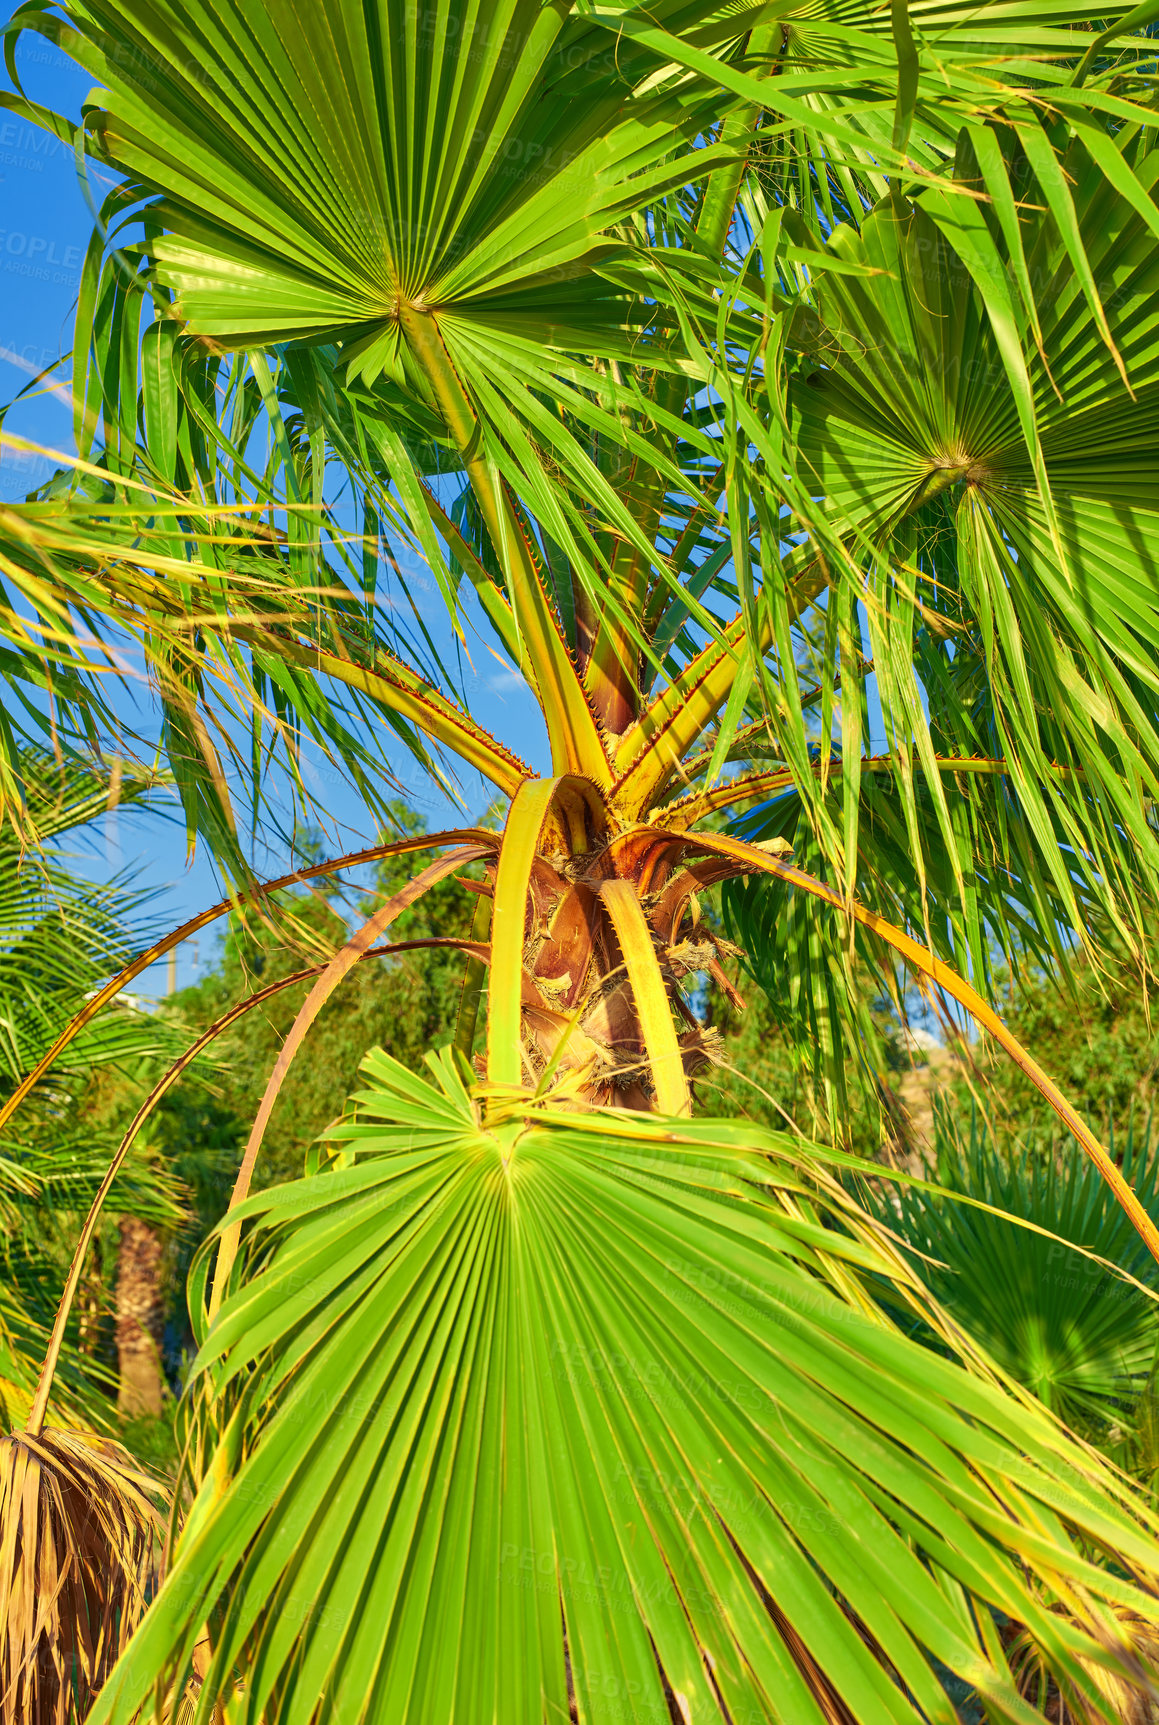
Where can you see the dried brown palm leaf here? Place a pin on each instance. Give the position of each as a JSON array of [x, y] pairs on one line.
[[78, 1530], [1133, 1702], [184, 1710]]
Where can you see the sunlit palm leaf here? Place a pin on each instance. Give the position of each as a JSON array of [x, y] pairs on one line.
[[774, 1505], [1000, 581], [234, 658], [607, 1401]]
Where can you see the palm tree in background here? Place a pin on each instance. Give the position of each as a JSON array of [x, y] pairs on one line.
[[774, 390]]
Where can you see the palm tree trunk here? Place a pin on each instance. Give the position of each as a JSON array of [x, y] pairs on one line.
[[90, 1303], [140, 1319]]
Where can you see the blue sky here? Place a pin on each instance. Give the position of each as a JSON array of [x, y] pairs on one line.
[[44, 228], [45, 225]]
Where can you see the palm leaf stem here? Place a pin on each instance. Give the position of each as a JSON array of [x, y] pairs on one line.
[[744, 786], [954, 985], [140, 599], [652, 751], [653, 1011], [405, 692], [714, 218], [355, 948], [610, 673], [576, 744], [526, 818], [253, 895]]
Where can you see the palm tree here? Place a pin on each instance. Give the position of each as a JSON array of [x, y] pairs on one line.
[[774, 390]]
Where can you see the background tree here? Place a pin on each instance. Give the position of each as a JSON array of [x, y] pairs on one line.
[[1100, 1038]]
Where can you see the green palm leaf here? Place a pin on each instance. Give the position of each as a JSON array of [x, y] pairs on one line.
[[1060, 1322], [60, 936], [773, 401], [430, 157], [986, 469], [579, 1399]]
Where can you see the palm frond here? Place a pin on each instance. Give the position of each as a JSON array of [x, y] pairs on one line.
[[603, 1406], [755, 367], [1058, 1320], [996, 623], [541, 219], [78, 1523]]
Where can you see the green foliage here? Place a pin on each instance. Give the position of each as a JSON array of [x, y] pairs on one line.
[[153, 1440], [765, 1076], [1083, 1339], [793, 987], [850, 309], [691, 351], [60, 936], [1098, 1040]]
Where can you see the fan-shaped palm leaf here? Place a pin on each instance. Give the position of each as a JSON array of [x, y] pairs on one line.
[[976, 455], [1058, 1320], [562, 1402]]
